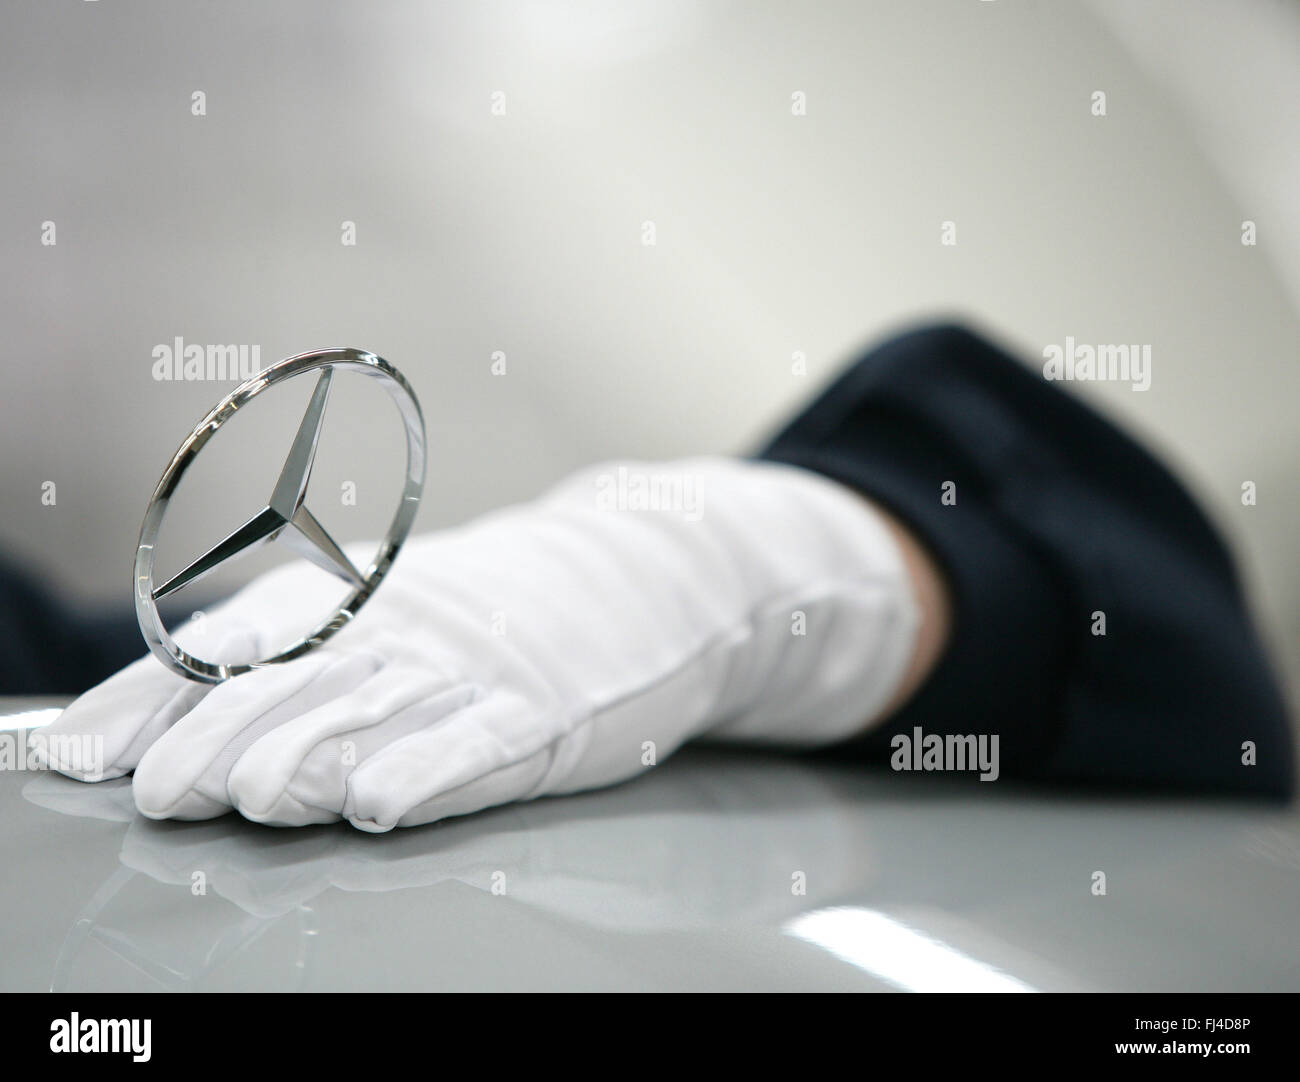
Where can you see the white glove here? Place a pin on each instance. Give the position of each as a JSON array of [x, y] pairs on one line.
[[550, 647]]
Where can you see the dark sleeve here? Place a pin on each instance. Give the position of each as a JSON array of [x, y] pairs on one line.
[[49, 648], [1058, 515]]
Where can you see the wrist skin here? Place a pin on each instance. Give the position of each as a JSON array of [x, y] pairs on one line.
[[934, 600]]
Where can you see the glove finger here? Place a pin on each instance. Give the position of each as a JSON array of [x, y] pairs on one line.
[[183, 775], [501, 741], [518, 781], [104, 733], [298, 772]]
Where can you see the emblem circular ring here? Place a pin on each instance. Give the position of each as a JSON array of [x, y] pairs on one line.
[[163, 646]]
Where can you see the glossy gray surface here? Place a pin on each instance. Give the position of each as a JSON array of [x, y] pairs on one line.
[[685, 879]]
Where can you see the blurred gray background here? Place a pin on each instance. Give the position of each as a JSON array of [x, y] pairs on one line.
[[777, 235]]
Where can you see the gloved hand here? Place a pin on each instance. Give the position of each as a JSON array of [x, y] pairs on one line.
[[549, 647]]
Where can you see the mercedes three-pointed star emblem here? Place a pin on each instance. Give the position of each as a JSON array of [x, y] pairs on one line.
[[285, 518]]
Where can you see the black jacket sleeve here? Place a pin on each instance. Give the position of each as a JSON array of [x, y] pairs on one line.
[[1058, 515]]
